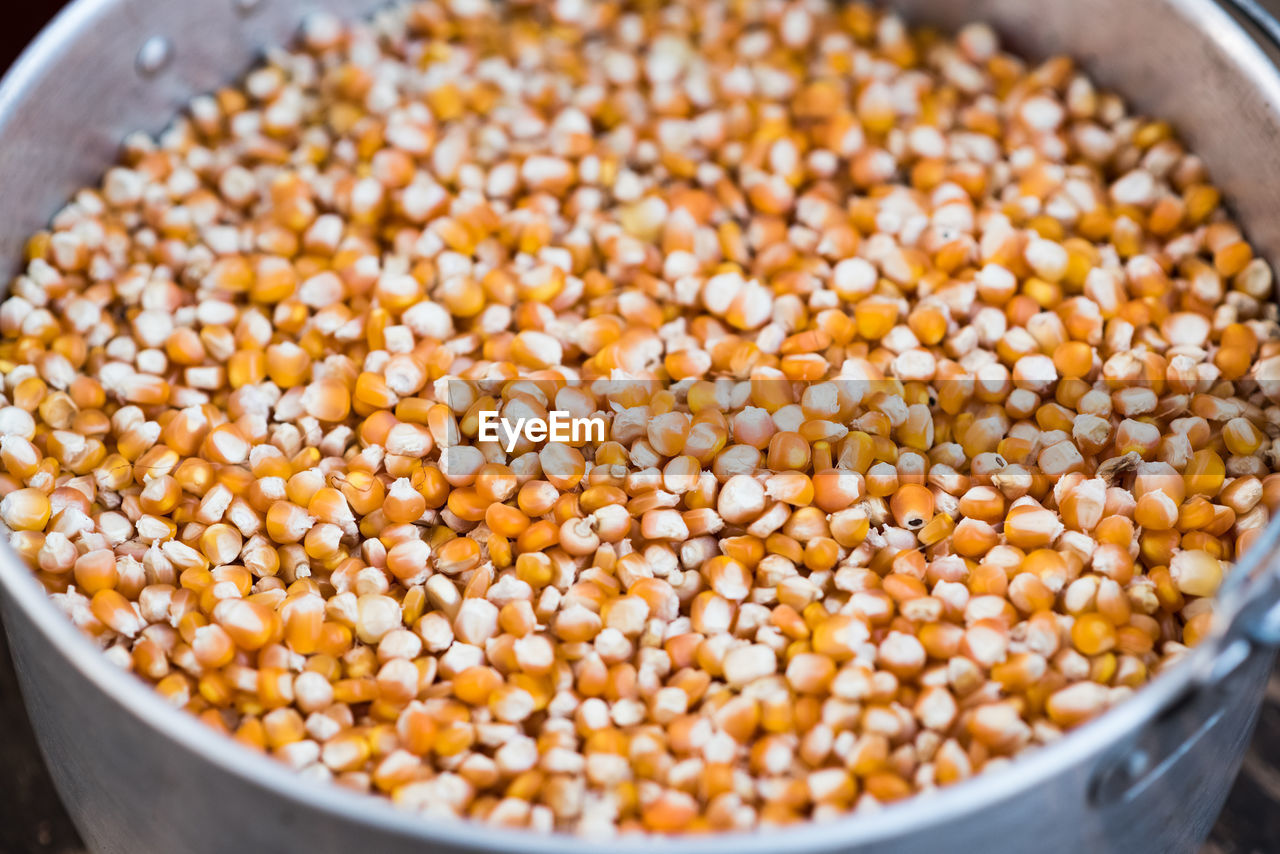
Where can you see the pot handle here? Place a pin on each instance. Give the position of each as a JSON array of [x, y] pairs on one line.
[[1248, 609], [1247, 616]]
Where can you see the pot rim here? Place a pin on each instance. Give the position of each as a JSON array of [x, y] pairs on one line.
[[26, 595]]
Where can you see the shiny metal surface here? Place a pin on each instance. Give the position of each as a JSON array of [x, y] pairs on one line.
[[138, 776]]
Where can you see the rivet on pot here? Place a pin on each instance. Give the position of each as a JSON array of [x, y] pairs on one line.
[[1117, 778], [247, 7], [154, 55]]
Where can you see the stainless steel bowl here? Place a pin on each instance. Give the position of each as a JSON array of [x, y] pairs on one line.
[[139, 776]]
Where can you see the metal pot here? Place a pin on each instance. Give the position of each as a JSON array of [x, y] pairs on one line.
[[139, 776]]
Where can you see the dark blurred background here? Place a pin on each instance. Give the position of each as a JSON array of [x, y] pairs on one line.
[[32, 820], [21, 22]]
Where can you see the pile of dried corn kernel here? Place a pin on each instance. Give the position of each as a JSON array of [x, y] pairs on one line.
[[990, 421]]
